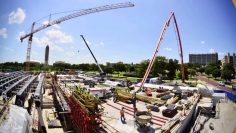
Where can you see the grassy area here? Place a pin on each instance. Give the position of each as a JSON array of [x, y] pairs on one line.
[[92, 72], [120, 75], [127, 78], [116, 75], [133, 78]]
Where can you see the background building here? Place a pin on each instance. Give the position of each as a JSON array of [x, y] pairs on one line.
[[229, 59], [46, 55], [203, 59], [33, 62], [59, 62]]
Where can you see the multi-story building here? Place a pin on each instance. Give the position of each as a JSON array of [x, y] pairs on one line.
[[229, 59], [203, 59]]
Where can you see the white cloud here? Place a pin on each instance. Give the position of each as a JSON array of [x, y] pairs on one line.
[[33, 52], [98, 44], [70, 54], [101, 44], [9, 49], [3, 32], [168, 49], [212, 50], [202, 42], [45, 22], [17, 16], [222, 53], [58, 37], [41, 42], [88, 42], [53, 38], [57, 48], [19, 35], [56, 26], [44, 41]]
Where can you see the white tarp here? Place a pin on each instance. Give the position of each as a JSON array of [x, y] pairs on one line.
[[147, 85], [18, 121], [111, 83], [98, 91], [166, 87], [205, 90], [217, 97]]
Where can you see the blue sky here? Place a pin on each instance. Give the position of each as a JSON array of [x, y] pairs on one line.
[[127, 35]]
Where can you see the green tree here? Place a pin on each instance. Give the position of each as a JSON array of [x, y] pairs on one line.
[[119, 67], [208, 70], [172, 67], [159, 66], [84, 67], [141, 68], [201, 70], [216, 73], [108, 70], [192, 72], [93, 67], [210, 67], [179, 73], [227, 72], [130, 67]]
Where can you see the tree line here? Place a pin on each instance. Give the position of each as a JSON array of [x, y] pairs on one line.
[[162, 67]]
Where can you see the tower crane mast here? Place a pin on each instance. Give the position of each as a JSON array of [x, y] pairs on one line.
[[71, 16]]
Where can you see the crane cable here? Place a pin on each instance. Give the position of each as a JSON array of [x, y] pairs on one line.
[[53, 14]]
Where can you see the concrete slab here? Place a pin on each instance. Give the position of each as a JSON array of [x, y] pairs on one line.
[[226, 123]]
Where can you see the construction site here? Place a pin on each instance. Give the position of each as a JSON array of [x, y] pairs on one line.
[[75, 102]]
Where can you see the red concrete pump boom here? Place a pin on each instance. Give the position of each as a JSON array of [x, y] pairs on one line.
[[172, 15]]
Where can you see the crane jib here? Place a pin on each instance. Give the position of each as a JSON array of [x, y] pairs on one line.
[[80, 13]]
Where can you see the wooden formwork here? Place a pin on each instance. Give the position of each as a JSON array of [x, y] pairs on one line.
[[84, 121]]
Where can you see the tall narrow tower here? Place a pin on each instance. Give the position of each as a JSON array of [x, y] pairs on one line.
[[46, 55]]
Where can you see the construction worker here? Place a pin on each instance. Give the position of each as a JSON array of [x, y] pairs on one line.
[[4, 98], [89, 95], [135, 111], [122, 115], [97, 97], [184, 110], [30, 102], [149, 110]]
